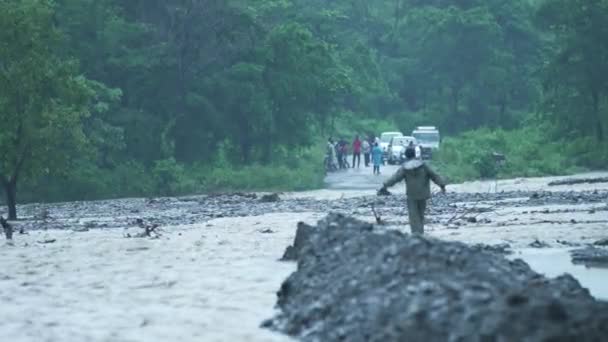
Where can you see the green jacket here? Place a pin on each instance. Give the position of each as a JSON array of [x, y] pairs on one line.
[[417, 176]]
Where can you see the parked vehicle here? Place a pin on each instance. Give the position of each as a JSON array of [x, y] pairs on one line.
[[385, 140], [428, 139], [396, 149]]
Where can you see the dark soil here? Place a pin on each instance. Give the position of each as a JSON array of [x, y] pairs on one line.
[[198, 209], [354, 283], [573, 181], [591, 256]]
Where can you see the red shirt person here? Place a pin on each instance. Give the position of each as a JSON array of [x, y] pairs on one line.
[[357, 151]]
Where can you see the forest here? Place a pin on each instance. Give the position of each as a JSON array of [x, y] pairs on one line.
[[114, 98]]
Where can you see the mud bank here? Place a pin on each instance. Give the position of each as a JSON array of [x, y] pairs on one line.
[[357, 284], [199, 209]]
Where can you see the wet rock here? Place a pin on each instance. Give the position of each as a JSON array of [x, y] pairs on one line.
[[267, 231], [502, 248], [590, 256], [356, 284], [602, 242], [574, 181], [270, 198], [200, 209], [539, 244], [303, 233], [472, 219], [568, 243]]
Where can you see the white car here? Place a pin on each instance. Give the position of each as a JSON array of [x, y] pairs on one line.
[[396, 149], [385, 140]]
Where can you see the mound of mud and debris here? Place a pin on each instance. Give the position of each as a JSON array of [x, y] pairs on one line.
[[574, 181], [357, 284]]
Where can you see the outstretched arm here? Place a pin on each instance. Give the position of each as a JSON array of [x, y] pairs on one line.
[[396, 178], [435, 177]]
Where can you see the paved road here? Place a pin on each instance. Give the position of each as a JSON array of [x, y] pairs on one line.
[[358, 179]]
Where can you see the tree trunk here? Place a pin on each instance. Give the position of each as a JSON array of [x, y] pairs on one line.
[[10, 187], [599, 130], [455, 103], [245, 151], [267, 152], [502, 113]]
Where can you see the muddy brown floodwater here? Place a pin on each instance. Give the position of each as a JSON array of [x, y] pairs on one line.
[[213, 273]]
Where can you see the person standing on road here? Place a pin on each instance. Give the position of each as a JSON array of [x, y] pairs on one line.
[[344, 153], [338, 146], [366, 151], [356, 152], [330, 152], [417, 176], [377, 158]]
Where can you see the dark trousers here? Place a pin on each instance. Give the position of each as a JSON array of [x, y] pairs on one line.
[[376, 169], [415, 210], [357, 157], [366, 159]]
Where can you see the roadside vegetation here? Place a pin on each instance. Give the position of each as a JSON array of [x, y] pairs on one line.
[[112, 98], [527, 153]]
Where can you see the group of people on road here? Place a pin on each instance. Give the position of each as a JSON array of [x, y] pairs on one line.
[[337, 153]]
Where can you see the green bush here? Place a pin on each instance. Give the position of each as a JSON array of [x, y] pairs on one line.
[[529, 152]]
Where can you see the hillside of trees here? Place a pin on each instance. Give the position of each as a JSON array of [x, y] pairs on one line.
[[106, 98]]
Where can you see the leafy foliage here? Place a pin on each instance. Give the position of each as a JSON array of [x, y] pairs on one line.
[[176, 96]]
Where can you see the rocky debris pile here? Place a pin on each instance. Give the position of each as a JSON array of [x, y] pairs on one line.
[[357, 284], [602, 242], [590, 256], [573, 181], [270, 198], [502, 248], [464, 208]]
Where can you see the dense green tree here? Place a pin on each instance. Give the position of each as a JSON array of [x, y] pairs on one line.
[[575, 77], [216, 85], [42, 98]]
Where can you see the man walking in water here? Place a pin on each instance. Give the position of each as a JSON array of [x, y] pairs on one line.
[[417, 176]]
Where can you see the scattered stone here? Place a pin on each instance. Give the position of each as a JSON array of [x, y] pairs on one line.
[[149, 230], [568, 243], [602, 242], [502, 248], [590, 256], [270, 198], [47, 241], [472, 219], [355, 284], [539, 244], [201, 209], [267, 231], [90, 224], [573, 181]]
